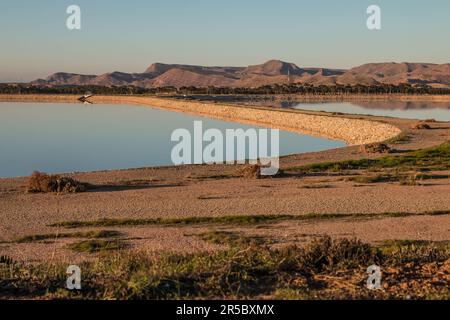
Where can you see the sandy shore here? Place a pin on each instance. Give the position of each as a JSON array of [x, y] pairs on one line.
[[175, 192]]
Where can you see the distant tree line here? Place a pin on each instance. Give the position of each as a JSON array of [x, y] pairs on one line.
[[79, 90], [318, 90], [301, 89]]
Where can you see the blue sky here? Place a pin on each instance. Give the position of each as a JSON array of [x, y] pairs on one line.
[[130, 35]]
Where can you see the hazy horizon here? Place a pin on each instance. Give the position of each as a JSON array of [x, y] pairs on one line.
[[129, 36]]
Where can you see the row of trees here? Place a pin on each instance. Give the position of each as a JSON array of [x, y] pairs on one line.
[[319, 90], [79, 90], [263, 90]]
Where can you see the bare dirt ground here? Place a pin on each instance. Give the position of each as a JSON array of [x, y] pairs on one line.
[[212, 191]]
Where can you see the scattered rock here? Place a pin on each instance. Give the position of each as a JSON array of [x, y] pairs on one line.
[[375, 148]]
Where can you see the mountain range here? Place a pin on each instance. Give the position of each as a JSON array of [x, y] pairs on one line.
[[271, 72]]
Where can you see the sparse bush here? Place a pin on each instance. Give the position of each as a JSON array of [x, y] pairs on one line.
[[251, 171], [87, 234], [409, 180], [92, 246], [248, 272], [6, 260], [326, 253], [232, 239], [421, 126], [403, 178], [422, 176], [375, 148], [379, 178], [40, 182], [406, 251]]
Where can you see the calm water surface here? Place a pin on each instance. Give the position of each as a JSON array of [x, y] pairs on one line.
[[400, 109], [408, 110], [75, 137]]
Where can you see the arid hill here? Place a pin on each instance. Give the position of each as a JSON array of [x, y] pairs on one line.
[[271, 72], [396, 73]]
